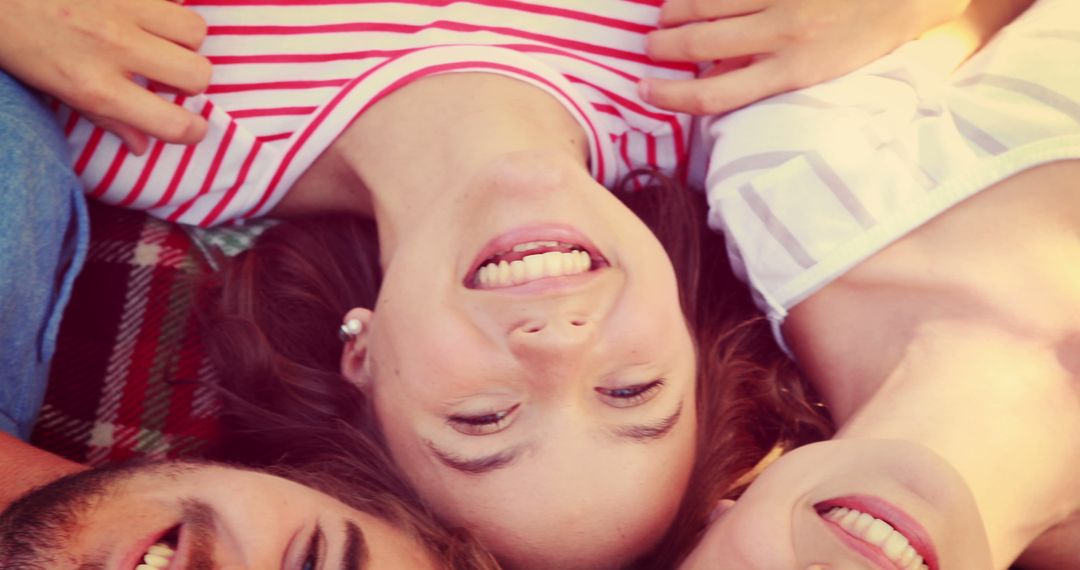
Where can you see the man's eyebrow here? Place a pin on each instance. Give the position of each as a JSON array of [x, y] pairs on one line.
[[356, 549], [649, 432], [478, 466]]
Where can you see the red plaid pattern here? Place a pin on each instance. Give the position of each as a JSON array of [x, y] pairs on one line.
[[130, 377]]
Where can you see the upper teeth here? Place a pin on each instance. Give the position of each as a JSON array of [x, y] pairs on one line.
[[157, 557], [532, 267], [534, 245], [879, 533]]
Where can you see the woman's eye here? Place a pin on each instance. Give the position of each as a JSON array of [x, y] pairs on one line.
[[311, 558], [483, 424], [630, 396]]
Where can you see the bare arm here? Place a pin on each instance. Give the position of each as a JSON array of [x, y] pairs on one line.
[[23, 467]]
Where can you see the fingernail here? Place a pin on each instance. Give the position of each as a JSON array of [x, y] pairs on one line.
[[196, 130], [643, 89], [136, 145]]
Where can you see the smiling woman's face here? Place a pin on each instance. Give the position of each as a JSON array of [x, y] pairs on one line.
[[868, 504], [549, 408]]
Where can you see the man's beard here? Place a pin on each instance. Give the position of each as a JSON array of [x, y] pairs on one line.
[[36, 531]]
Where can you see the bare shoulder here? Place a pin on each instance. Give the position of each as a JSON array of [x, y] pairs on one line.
[[1008, 257]]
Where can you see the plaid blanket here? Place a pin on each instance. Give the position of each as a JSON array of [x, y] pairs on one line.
[[130, 377]]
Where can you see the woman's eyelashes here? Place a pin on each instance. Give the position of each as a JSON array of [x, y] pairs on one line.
[[630, 396], [311, 558], [494, 422], [483, 424]]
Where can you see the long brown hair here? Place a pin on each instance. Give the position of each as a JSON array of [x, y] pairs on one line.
[[751, 398], [285, 402], [273, 336]]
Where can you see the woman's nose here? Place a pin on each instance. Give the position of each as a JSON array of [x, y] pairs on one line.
[[562, 336]]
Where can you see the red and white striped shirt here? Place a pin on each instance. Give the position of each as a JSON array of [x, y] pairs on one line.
[[290, 76]]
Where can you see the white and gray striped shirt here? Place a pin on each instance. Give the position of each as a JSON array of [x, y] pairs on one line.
[[807, 184]]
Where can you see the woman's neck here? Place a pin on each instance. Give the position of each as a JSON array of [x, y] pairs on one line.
[[967, 343], [1002, 411], [426, 144]]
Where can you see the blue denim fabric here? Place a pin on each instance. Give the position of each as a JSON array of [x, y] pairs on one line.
[[43, 235]]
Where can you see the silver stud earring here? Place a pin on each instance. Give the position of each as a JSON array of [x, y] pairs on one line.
[[350, 330]]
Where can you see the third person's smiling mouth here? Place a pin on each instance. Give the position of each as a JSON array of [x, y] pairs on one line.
[[894, 543]]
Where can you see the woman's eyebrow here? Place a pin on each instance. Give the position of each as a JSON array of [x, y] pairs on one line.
[[644, 433], [480, 465], [356, 549]]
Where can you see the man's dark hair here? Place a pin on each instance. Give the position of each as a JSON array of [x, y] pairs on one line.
[[32, 526]]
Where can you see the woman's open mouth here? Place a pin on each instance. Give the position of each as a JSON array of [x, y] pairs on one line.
[[897, 542], [529, 254], [531, 261]]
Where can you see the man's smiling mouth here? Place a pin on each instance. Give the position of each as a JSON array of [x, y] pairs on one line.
[[160, 554]]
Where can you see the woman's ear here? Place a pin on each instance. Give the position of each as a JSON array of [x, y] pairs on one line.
[[354, 335]]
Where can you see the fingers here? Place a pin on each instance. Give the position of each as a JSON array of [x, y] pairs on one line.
[[165, 54], [132, 105], [717, 94], [135, 141], [173, 22], [708, 41], [678, 12], [728, 65], [169, 64]]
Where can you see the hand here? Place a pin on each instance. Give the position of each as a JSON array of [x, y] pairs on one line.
[[85, 53], [764, 47]]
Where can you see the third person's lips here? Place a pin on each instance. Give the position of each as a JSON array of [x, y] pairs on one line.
[[881, 532]]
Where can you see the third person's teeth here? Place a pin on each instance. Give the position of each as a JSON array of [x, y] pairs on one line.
[[875, 531], [879, 530], [894, 545], [862, 522]]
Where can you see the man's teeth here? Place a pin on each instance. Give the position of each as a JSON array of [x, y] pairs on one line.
[[157, 557], [532, 267], [879, 533]]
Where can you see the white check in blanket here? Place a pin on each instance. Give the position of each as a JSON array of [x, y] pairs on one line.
[[290, 75], [807, 184]]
